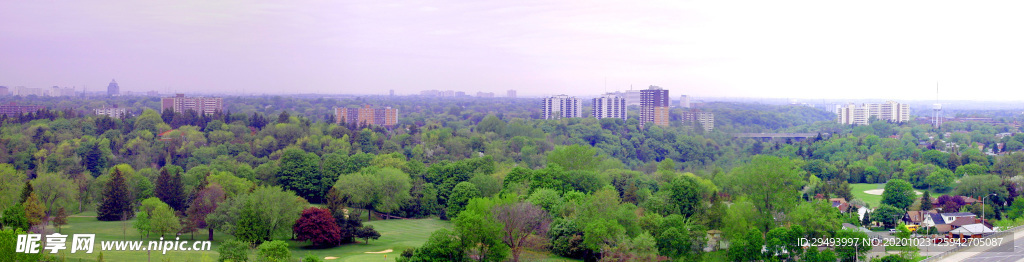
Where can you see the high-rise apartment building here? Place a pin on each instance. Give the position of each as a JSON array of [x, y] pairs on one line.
[[852, 114], [203, 105], [684, 101], [609, 106], [484, 94], [560, 106], [654, 106], [113, 89], [706, 120], [511, 93], [366, 115]]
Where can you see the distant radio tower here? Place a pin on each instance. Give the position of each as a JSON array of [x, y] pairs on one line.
[[937, 109]]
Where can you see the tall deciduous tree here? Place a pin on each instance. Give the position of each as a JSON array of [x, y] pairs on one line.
[[519, 221], [317, 226], [11, 182], [116, 202], [300, 172], [55, 191], [206, 202], [898, 193], [772, 184], [575, 157]]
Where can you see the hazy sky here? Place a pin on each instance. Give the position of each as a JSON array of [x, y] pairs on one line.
[[796, 49]]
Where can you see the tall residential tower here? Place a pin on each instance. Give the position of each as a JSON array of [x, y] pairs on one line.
[[654, 105], [560, 106], [609, 106]]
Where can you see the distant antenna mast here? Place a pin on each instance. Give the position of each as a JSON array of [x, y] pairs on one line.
[[937, 108]]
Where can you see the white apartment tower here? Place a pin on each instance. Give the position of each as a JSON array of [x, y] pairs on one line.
[[560, 106], [609, 106], [852, 114]]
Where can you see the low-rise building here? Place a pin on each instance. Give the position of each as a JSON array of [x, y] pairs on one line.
[[113, 112]]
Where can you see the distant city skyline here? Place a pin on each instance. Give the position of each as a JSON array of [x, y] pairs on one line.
[[774, 49]]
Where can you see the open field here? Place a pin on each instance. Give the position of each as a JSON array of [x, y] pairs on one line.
[[396, 236], [872, 193]]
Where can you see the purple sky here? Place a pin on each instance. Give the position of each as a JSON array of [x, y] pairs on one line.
[[796, 49]]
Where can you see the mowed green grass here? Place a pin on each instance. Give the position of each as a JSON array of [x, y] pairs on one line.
[[857, 190], [396, 234]]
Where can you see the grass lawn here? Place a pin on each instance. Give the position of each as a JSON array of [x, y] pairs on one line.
[[396, 235], [857, 190]]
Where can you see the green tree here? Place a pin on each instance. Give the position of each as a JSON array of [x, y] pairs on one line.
[[149, 120], [491, 123], [443, 245], [898, 193], [250, 228], [11, 182], [300, 172], [772, 185], [926, 201], [143, 224], [164, 221], [116, 204], [233, 251], [855, 251], [887, 215], [480, 232], [366, 233], [461, 196], [818, 217], [169, 188], [14, 217], [55, 192], [941, 179], [971, 169], [685, 194], [575, 157], [35, 212], [274, 251], [980, 186]]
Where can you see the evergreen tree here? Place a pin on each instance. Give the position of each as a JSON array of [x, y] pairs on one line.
[[284, 117], [866, 220], [168, 189], [34, 210], [116, 203], [926, 201], [60, 219], [25, 192]]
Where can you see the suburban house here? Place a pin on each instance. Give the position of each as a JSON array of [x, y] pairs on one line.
[[915, 217], [950, 217], [971, 231]]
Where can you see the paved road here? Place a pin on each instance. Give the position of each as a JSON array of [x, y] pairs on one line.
[[1009, 251]]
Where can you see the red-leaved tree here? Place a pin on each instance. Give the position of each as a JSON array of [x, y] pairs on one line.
[[205, 203], [317, 225]]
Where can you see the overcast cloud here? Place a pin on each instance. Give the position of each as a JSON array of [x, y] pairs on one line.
[[796, 49]]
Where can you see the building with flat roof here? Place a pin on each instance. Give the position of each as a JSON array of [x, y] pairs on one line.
[[694, 118], [14, 110], [203, 105], [113, 112], [654, 104], [366, 115], [560, 106], [891, 111], [511, 93], [609, 106]]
